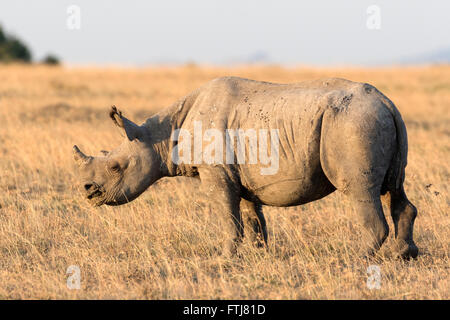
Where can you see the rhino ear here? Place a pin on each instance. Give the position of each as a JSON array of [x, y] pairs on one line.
[[132, 130], [80, 157]]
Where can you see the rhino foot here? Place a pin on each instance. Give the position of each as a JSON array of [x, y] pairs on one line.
[[406, 250]]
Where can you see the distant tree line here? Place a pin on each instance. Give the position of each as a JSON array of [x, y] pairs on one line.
[[14, 50]]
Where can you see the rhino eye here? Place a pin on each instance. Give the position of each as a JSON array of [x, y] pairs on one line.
[[114, 166]]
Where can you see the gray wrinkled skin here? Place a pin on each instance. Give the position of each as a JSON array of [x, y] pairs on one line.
[[333, 133]]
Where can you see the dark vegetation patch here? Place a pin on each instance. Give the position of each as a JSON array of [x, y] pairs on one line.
[[13, 49], [428, 125], [68, 113], [63, 112]]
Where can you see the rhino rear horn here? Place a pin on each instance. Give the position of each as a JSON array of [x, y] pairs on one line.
[[80, 157], [131, 129]]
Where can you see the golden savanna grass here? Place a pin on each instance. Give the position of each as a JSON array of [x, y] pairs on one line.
[[167, 243]]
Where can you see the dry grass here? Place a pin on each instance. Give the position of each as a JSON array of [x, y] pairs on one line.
[[165, 245]]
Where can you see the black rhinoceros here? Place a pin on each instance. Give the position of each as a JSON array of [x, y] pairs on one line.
[[314, 137]]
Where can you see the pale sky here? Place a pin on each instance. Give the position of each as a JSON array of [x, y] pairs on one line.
[[319, 32]]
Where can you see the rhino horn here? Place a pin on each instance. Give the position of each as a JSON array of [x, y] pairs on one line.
[[80, 157]]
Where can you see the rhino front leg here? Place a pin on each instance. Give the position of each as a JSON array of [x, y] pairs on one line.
[[255, 222], [403, 214], [224, 195]]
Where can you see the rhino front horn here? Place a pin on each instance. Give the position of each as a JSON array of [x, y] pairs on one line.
[[80, 157]]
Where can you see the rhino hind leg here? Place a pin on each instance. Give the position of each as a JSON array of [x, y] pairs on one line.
[[371, 214], [254, 222], [363, 188], [403, 214], [355, 159]]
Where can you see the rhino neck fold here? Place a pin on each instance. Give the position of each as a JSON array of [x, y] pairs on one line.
[[161, 126]]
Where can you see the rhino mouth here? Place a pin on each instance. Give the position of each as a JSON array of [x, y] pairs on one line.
[[95, 194], [96, 197]]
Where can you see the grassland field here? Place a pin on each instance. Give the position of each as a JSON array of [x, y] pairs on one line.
[[167, 243]]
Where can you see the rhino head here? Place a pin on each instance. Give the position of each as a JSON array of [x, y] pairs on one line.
[[120, 176]]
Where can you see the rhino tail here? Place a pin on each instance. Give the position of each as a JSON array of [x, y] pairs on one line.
[[396, 173]]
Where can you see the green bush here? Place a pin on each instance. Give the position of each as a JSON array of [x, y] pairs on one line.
[[50, 60], [12, 49]]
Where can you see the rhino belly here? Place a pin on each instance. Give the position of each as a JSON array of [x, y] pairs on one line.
[[294, 191]]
